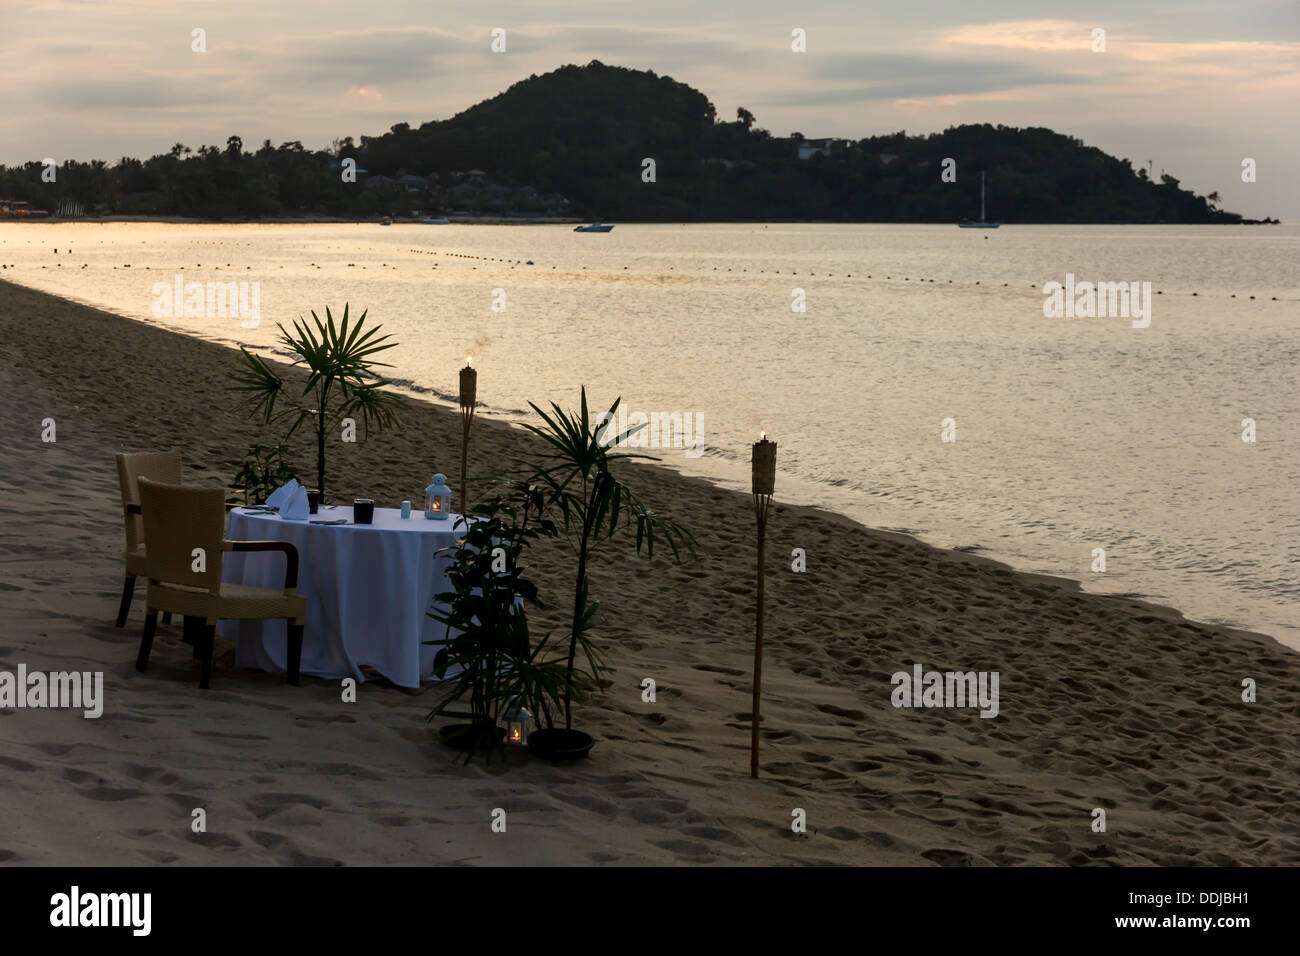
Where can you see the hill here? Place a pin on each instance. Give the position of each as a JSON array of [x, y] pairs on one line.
[[574, 141]]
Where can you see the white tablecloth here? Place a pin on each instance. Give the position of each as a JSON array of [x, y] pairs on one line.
[[368, 591]]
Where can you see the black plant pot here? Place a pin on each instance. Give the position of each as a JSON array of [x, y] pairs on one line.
[[556, 744], [471, 736]]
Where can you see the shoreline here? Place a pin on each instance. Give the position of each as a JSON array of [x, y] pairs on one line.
[[1106, 701], [456, 220], [513, 418]]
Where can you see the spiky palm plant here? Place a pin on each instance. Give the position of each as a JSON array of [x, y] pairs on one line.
[[342, 383], [593, 503]]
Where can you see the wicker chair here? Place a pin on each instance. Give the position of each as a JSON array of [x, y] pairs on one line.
[[178, 522], [156, 466]]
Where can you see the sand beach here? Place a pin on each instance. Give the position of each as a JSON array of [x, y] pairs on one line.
[[1105, 702]]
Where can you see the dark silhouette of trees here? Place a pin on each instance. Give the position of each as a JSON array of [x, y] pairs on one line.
[[583, 132]]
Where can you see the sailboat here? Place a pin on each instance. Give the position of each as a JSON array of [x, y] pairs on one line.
[[983, 223]]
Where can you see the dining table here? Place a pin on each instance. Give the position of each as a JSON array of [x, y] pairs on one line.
[[369, 590]]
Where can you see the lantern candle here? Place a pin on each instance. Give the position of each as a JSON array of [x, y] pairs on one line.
[[437, 499], [764, 481], [517, 719]]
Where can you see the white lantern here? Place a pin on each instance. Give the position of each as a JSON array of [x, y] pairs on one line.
[[437, 499], [517, 718]]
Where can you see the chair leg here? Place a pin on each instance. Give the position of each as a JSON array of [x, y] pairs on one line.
[[167, 617], [146, 642], [192, 634], [294, 652], [128, 591], [206, 634]]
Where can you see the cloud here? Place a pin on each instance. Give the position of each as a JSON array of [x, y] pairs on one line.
[[887, 76], [149, 92]]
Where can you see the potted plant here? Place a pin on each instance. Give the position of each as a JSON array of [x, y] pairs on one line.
[[342, 383], [488, 648], [263, 470], [593, 502]]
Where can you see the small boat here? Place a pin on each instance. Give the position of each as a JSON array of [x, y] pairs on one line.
[[594, 227], [385, 222], [437, 222], [982, 224]]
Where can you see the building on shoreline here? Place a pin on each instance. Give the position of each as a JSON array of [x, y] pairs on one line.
[[17, 209]]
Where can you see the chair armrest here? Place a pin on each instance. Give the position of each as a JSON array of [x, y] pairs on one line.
[[291, 553], [133, 509]]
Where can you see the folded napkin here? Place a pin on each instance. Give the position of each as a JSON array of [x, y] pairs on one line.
[[296, 508], [280, 497]]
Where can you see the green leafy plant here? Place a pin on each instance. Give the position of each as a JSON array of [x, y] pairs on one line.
[[342, 381], [263, 470], [488, 642], [593, 502]]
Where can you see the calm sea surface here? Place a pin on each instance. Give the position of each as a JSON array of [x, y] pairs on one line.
[[1071, 433]]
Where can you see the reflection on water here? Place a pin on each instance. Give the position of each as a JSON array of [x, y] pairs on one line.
[[1071, 433]]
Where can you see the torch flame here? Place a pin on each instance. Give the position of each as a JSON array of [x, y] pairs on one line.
[[469, 361], [762, 436]]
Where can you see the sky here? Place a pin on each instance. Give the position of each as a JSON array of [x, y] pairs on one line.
[[1194, 87]]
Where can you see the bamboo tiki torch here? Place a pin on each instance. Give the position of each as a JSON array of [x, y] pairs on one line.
[[468, 394], [764, 463]]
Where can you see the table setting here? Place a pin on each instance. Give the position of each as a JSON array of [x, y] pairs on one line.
[[369, 575]]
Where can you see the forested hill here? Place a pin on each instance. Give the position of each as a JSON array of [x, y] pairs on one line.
[[575, 142]]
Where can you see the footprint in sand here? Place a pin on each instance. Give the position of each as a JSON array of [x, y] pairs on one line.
[[265, 804], [215, 841], [326, 719], [687, 849], [221, 736], [856, 716], [266, 839], [715, 669], [948, 857], [111, 794], [655, 810], [717, 834], [161, 857]]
